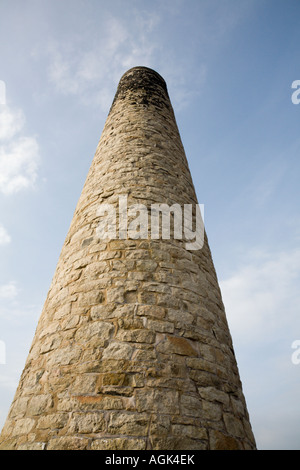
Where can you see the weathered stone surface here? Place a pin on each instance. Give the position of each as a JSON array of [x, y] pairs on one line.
[[132, 350], [84, 384], [161, 326], [191, 406], [177, 345], [234, 426], [53, 421], [118, 350], [119, 443], [99, 402], [131, 424], [23, 426], [212, 411], [40, 404], [193, 432], [157, 400], [33, 446], [64, 356], [136, 336], [87, 423], [177, 443], [20, 407], [220, 441], [97, 332], [214, 395], [67, 443]]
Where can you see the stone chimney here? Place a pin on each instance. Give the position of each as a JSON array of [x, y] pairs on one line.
[[132, 350]]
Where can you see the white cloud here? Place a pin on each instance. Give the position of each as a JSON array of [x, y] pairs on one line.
[[262, 298], [61, 74], [11, 122], [4, 236], [18, 165], [262, 301], [19, 154], [8, 291], [75, 69]]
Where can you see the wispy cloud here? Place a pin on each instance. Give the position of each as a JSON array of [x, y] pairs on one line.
[[75, 69], [263, 296], [19, 154], [18, 165], [84, 65], [92, 72], [14, 309], [11, 122], [8, 291], [262, 302]]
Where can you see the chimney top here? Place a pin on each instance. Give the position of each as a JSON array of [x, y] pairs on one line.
[[142, 78]]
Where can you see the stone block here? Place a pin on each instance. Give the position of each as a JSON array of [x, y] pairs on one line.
[[67, 443], [233, 425], [131, 424], [87, 423], [177, 345], [98, 332], [221, 441], [40, 404], [191, 406], [117, 350], [119, 443]]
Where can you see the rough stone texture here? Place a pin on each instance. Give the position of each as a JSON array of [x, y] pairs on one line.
[[132, 349]]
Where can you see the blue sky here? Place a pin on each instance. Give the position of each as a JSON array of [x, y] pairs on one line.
[[229, 66]]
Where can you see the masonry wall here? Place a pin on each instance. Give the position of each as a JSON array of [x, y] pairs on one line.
[[132, 349]]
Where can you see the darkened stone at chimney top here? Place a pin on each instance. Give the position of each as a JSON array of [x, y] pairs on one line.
[[147, 85]]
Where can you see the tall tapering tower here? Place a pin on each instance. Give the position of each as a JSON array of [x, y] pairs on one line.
[[132, 350]]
